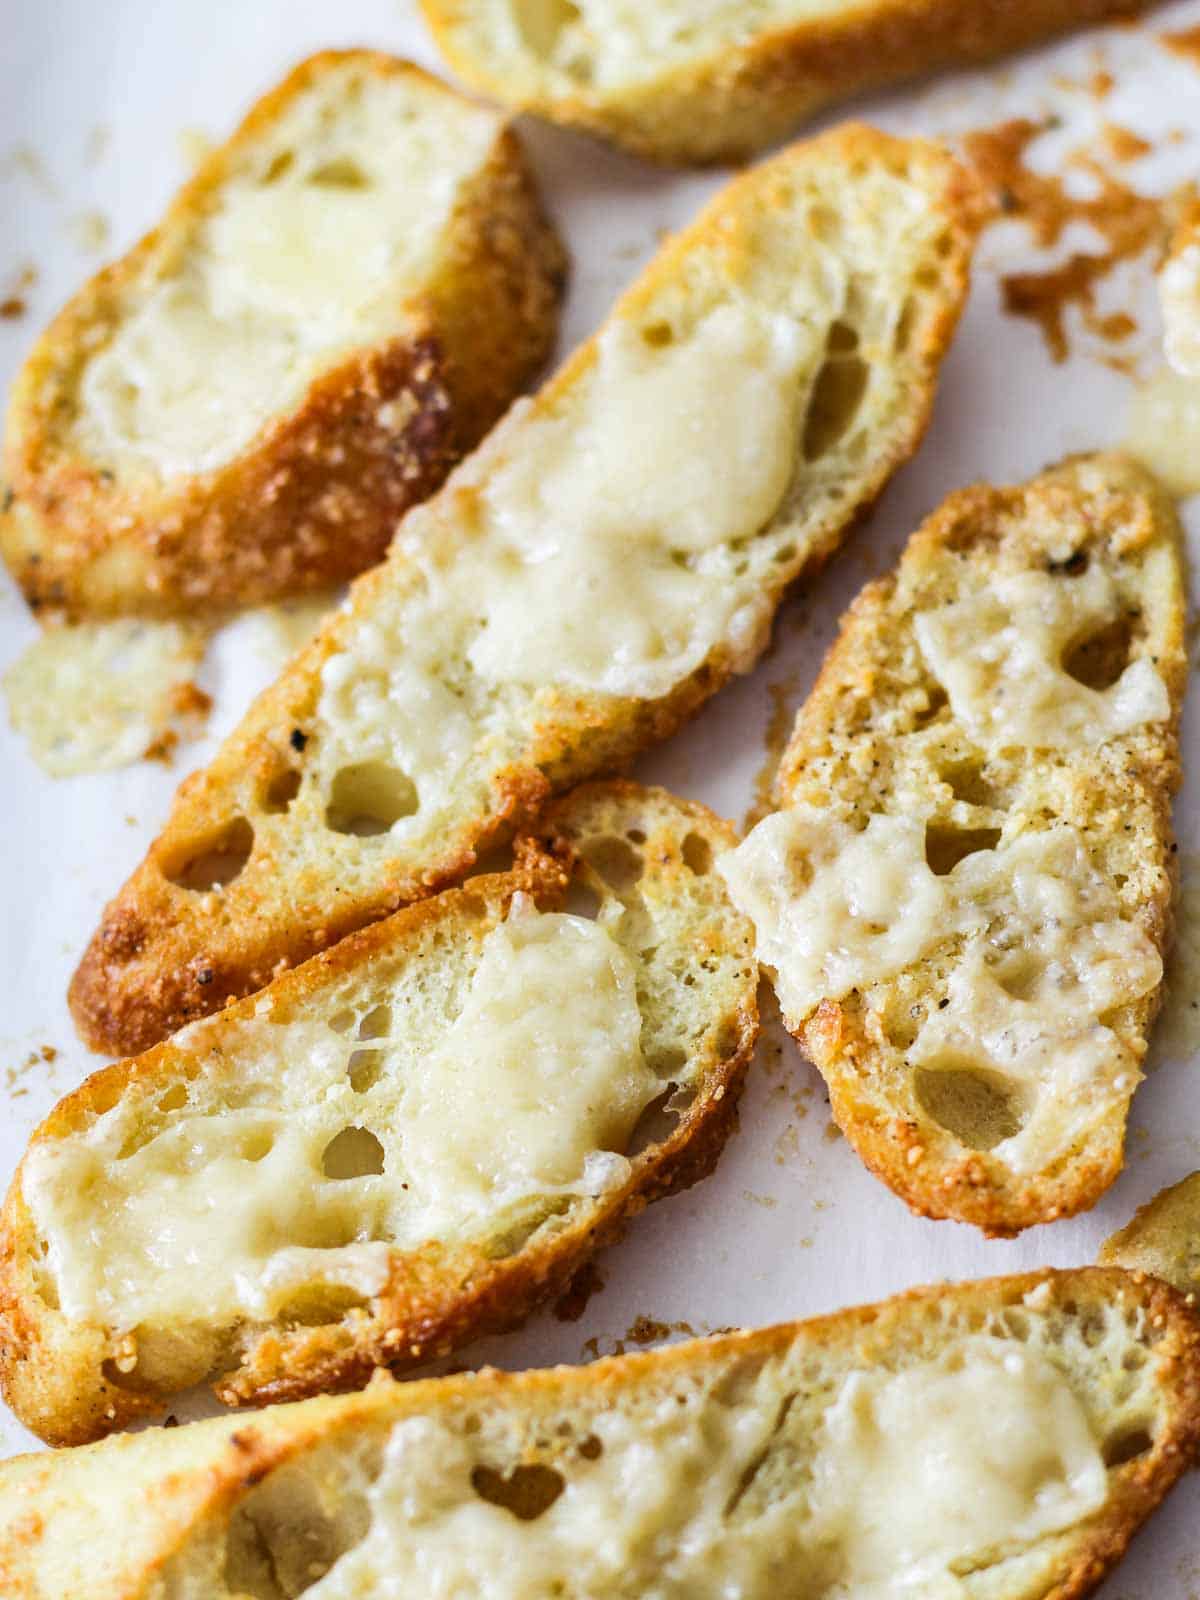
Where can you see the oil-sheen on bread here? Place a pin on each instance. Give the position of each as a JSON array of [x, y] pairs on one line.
[[966, 898], [715, 80], [337, 306], [991, 1441], [613, 551], [407, 1142]]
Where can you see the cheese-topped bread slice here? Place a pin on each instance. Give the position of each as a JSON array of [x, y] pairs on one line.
[[613, 551], [409, 1141], [1163, 1238], [966, 898], [716, 80], [337, 306], [991, 1441]]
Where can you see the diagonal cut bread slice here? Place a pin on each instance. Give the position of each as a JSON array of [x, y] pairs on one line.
[[990, 1441], [966, 898], [409, 1141], [1163, 1238], [337, 306], [578, 588], [678, 82]]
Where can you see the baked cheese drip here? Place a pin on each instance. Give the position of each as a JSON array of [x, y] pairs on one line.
[[1040, 953], [98, 695], [305, 255], [299, 1158], [947, 1465]]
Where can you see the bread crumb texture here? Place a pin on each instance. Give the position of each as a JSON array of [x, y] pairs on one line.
[[609, 556], [995, 1441], [966, 899]]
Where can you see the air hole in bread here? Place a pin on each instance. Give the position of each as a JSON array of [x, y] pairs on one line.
[[174, 1099], [368, 798], [842, 340], [591, 1448], [978, 1106], [527, 1491], [280, 166], [966, 782], [658, 334], [834, 403], [541, 22], [615, 860], [1126, 1445], [364, 1069], [256, 1144], [936, 700], [353, 1153], [635, 836], [1019, 973], [656, 1123], [499, 858], [216, 861], [343, 1021], [1099, 658], [1072, 566], [945, 847], [905, 323], [901, 1028], [582, 900], [697, 854], [343, 172], [282, 790], [377, 1023], [282, 1538]]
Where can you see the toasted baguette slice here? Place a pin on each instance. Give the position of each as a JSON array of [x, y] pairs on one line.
[[337, 306], [678, 82], [966, 899], [408, 1142], [1163, 1238], [597, 569], [996, 1441]]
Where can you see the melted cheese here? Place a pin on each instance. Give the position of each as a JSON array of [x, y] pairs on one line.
[[987, 1448], [1046, 955], [998, 654], [309, 251], [606, 523], [1179, 297], [1025, 1002], [597, 548], [912, 1474], [97, 696], [234, 1207], [835, 909]]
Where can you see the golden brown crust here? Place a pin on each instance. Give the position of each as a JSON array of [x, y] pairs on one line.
[[727, 105], [206, 1470], [314, 498], [162, 956], [872, 692], [60, 1376]]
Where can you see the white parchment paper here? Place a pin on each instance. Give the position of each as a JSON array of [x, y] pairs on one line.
[[93, 100]]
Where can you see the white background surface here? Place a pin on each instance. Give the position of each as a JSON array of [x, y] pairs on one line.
[[791, 1224]]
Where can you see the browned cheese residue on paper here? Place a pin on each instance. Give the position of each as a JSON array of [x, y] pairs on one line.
[[1129, 223]]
